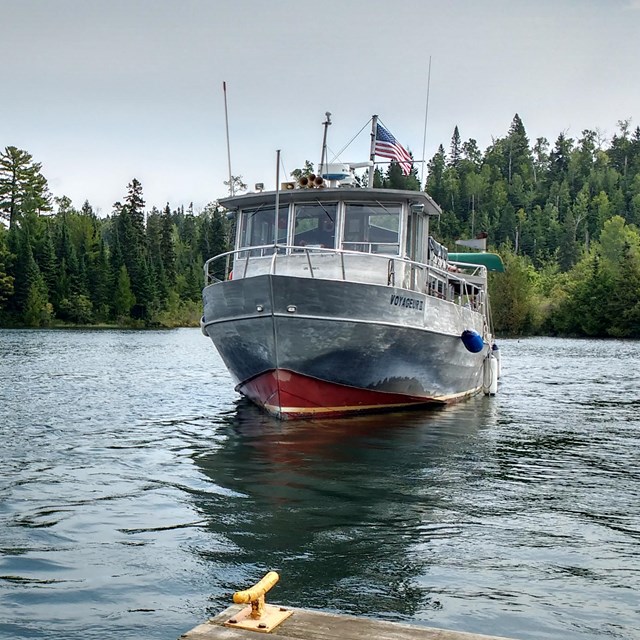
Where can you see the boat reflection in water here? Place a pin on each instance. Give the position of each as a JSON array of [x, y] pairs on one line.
[[338, 507]]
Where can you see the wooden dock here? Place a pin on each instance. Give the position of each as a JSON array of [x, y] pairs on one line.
[[303, 624]]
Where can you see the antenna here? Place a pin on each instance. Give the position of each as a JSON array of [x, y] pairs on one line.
[[426, 115], [275, 224], [323, 155], [226, 120]]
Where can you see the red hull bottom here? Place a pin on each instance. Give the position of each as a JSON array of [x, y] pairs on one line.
[[289, 395]]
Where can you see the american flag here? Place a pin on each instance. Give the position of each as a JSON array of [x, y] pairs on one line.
[[388, 147]]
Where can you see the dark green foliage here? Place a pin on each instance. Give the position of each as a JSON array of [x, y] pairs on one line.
[[513, 295], [214, 236], [6, 280], [22, 186], [396, 179], [31, 303], [551, 207], [456, 148], [123, 298], [167, 246], [77, 268]]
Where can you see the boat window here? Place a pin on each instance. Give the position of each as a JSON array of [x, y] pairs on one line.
[[257, 227], [372, 228], [315, 225]]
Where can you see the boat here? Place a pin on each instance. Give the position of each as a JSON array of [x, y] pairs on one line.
[[336, 300]]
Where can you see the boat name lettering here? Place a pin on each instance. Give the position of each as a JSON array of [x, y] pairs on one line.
[[409, 303]]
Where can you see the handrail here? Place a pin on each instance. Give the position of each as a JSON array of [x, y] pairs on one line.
[[279, 250]]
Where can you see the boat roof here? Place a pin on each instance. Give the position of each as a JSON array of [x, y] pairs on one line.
[[492, 261], [328, 194]]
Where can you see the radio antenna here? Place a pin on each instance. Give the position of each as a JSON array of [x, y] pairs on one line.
[[226, 120], [426, 115]]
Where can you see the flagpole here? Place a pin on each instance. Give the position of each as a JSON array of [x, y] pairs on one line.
[[426, 115], [372, 152]]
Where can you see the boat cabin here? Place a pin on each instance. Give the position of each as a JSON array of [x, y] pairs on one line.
[[377, 236], [383, 222]]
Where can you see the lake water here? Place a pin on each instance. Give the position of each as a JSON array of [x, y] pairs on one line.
[[137, 492]]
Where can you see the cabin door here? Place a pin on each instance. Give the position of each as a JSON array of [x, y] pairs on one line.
[[415, 237], [416, 249]]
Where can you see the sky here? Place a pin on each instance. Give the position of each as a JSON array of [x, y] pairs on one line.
[[104, 91]]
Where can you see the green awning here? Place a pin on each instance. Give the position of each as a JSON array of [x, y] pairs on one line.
[[492, 261]]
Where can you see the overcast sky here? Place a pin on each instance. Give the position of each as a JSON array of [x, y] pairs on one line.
[[102, 91]]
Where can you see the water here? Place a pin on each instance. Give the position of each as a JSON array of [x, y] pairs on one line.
[[137, 492]]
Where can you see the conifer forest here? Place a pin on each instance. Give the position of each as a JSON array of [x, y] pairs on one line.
[[564, 216]]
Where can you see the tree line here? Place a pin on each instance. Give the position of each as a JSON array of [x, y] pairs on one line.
[[564, 217], [133, 267]]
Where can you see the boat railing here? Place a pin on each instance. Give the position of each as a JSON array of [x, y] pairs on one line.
[[461, 283]]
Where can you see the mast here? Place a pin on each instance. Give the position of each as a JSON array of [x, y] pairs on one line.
[[323, 155], [372, 153], [226, 120]]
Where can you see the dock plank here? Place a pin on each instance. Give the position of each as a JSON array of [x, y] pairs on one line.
[[316, 625]]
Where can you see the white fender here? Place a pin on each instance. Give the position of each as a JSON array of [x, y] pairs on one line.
[[490, 376]]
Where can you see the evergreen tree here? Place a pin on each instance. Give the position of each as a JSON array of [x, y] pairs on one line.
[[134, 206], [87, 210], [396, 179], [456, 148], [472, 153], [123, 297], [130, 228], [99, 282], [518, 153], [48, 263], [31, 297], [435, 176], [37, 309], [559, 158], [623, 313], [21, 185], [6, 280], [167, 249]]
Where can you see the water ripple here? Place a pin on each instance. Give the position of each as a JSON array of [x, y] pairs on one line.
[[137, 492]]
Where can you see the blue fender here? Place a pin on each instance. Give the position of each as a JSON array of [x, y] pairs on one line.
[[472, 340]]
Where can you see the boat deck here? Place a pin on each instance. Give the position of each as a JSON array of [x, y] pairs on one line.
[[304, 624]]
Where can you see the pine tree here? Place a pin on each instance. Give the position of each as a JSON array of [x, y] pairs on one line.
[[48, 263], [134, 206], [99, 282], [21, 185], [167, 248], [568, 247], [37, 309], [87, 210], [130, 229], [435, 176], [456, 148], [6, 280], [31, 296], [519, 154], [559, 158], [123, 298]]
